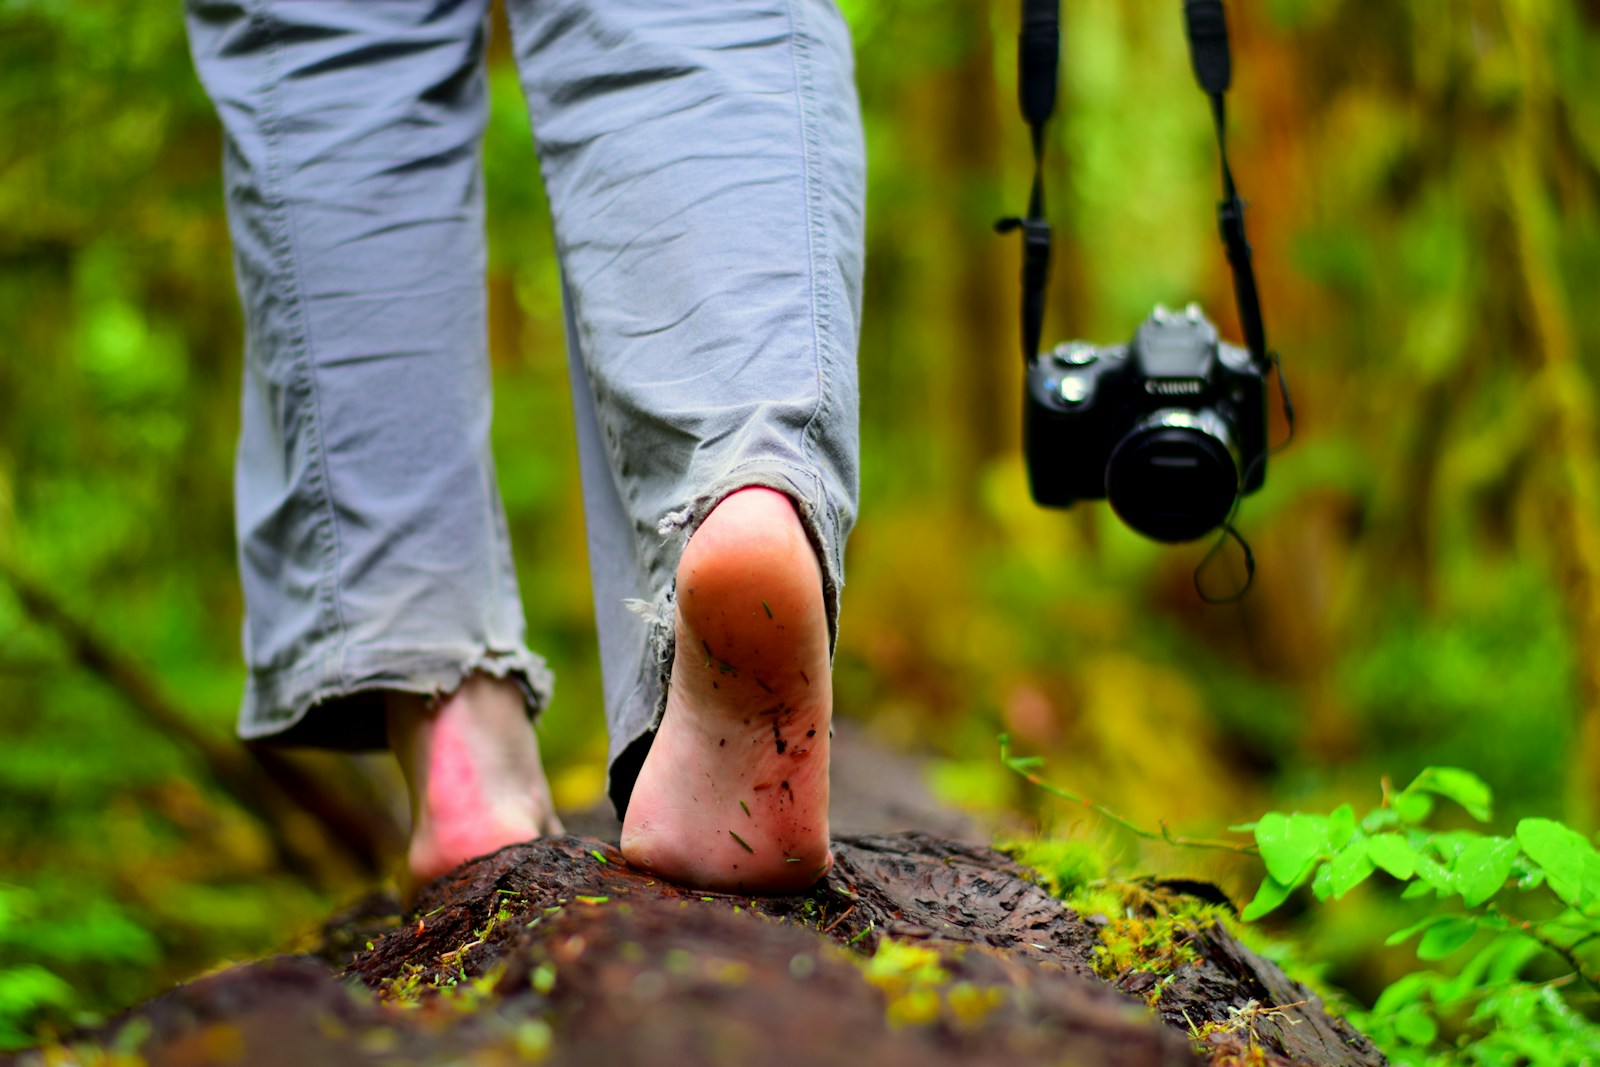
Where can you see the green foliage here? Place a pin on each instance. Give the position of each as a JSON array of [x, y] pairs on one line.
[[1527, 905], [78, 937], [1063, 865], [25, 992], [1140, 929], [1156, 943], [1439, 687]]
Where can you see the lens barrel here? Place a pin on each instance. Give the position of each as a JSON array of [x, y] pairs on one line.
[[1174, 478]]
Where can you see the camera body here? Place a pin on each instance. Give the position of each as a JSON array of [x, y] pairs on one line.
[[1170, 428]]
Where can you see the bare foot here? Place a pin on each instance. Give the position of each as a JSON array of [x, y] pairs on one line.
[[734, 792], [471, 762]]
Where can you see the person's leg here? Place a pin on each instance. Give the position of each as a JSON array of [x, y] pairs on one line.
[[704, 166], [372, 544]]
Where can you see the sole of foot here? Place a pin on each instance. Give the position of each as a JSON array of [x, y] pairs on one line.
[[471, 763], [733, 795]]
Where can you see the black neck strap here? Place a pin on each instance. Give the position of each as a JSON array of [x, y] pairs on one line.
[[1038, 52], [1038, 56], [1207, 25]]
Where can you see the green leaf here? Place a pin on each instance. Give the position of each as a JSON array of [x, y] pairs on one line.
[[1407, 989], [1483, 867], [1530, 875], [1445, 936], [1416, 889], [1415, 1026], [1448, 844], [1348, 869], [1290, 844], [1571, 867], [29, 987], [1341, 826], [1463, 787], [1269, 896], [1436, 874], [1412, 930], [1322, 884], [1378, 819], [1495, 964], [1413, 807], [1394, 854]]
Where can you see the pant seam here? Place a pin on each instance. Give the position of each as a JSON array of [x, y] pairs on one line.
[[816, 237], [503, 562], [285, 246]]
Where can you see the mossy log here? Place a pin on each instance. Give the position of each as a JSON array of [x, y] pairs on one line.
[[914, 950]]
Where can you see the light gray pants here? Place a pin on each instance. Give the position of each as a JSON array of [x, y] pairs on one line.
[[704, 165]]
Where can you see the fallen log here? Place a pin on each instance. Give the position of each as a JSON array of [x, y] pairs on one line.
[[914, 950]]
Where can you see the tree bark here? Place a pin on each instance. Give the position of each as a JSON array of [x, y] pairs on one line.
[[914, 951]]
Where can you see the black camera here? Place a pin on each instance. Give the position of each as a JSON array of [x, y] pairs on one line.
[[1170, 428]]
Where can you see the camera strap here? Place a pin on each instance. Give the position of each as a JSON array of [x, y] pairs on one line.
[[1207, 27], [1038, 54], [1038, 58]]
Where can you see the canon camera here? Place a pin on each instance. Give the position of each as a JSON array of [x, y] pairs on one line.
[[1169, 428]]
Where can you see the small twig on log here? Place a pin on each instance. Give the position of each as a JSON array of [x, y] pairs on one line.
[[842, 917]]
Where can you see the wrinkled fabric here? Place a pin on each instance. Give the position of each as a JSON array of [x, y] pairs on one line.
[[703, 161]]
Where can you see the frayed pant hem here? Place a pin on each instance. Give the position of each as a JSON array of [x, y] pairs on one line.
[[343, 707]]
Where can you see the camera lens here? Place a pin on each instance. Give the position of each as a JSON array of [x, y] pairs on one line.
[[1173, 478]]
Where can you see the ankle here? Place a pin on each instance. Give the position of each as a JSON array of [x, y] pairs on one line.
[[472, 768]]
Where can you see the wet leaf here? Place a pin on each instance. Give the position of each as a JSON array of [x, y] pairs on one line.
[[1463, 787], [1445, 936], [1269, 896], [1413, 807], [1393, 854], [1414, 1025], [1341, 826], [1483, 867], [1290, 844], [1571, 867], [1349, 868]]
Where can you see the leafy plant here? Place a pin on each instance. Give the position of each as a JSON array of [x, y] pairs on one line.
[[1528, 906], [72, 936]]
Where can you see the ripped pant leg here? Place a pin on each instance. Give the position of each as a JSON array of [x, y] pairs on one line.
[[372, 544], [706, 174]]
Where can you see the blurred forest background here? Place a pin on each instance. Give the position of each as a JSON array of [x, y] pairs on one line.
[[1424, 183]]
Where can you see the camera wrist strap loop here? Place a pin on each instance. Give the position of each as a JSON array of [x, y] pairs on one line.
[[1207, 27], [1038, 54]]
